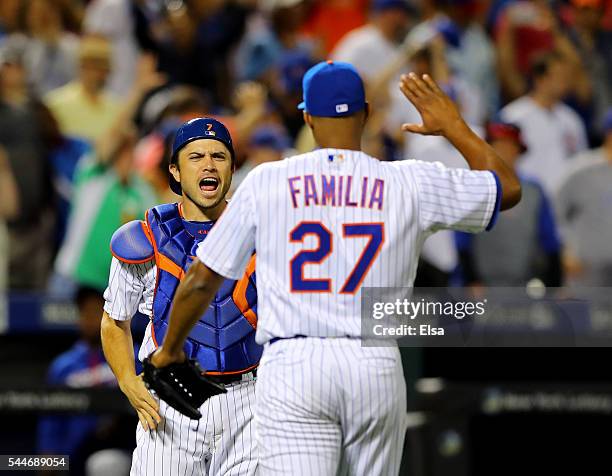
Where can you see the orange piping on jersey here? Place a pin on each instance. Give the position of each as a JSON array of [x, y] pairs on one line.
[[166, 264], [233, 372], [147, 233], [153, 334], [131, 261], [180, 210], [239, 295]]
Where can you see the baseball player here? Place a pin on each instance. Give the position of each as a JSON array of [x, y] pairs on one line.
[[151, 257], [325, 224]]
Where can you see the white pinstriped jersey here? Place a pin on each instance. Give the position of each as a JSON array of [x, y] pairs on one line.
[[131, 288], [222, 442], [328, 222]]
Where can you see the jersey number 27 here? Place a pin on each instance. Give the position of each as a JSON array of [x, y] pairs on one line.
[[374, 231]]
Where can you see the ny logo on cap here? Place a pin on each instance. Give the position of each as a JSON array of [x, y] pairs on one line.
[[341, 108], [209, 131]]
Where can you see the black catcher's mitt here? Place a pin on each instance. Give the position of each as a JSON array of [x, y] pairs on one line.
[[183, 386]]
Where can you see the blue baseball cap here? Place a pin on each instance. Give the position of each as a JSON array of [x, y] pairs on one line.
[[332, 89], [198, 128], [292, 66]]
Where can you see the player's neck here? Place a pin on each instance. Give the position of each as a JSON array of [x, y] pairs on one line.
[[192, 212], [339, 142]]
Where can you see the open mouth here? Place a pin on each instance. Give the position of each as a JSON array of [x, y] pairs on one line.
[[209, 184]]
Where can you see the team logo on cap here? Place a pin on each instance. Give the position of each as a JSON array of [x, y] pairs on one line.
[[341, 108], [209, 131]]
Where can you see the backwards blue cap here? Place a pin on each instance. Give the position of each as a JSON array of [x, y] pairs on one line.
[[198, 128], [332, 89]]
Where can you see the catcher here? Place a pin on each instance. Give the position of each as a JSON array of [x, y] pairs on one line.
[[212, 432]]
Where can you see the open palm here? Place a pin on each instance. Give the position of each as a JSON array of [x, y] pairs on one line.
[[438, 112]]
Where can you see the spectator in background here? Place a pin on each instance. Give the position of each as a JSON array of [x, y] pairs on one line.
[[84, 366], [431, 59], [584, 205], [286, 88], [9, 209], [329, 20], [52, 52], [373, 46], [108, 193], [525, 30], [271, 35], [552, 131], [594, 46], [199, 37], [470, 53], [31, 231], [379, 50], [82, 107], [524, 243], [113, 19], [268, 144], [9, 17], [63, 154]]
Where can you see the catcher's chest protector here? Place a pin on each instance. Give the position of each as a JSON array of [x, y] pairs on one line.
[[223, 340]]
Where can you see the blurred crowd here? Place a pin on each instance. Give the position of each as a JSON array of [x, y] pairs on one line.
[[91, 92]]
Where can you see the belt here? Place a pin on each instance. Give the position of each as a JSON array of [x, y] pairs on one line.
[[234, 378], [276, 339]]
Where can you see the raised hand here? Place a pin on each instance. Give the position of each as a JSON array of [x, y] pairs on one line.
[[438, 112], [250, 95]]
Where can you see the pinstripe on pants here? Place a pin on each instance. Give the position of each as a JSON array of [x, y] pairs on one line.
[[222, 442], [330, 407]]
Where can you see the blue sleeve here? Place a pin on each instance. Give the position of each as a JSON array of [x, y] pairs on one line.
[[547, 229], [58, 370], [498, 199], [463, 241]]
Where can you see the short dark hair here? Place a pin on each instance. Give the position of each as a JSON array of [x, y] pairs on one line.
[[540, 66], [84, 293]]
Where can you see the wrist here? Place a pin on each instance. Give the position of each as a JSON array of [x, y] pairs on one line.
[[126, 380], [164, 356], [456, 128]]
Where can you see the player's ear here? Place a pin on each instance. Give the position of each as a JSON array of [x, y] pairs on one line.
[[307, 119], [366, 112], [174, 170]]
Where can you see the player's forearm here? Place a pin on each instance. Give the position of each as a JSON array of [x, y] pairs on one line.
[[481, 156], [192, 298], [118, 347]]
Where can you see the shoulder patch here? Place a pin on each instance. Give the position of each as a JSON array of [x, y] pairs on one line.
[[131, 243]]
